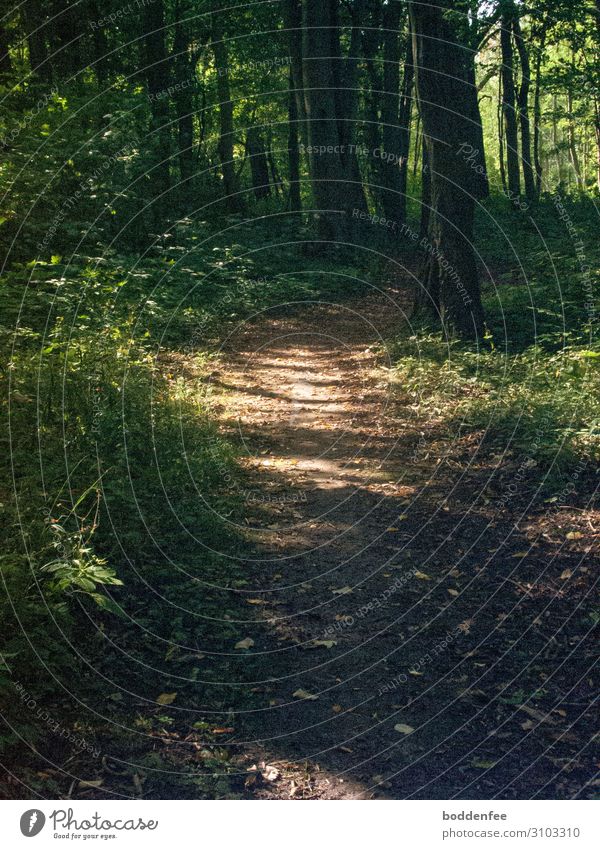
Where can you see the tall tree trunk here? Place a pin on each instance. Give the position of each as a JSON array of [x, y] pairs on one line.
[[345, 72], [327, 170], [35, 29], [501, 137], [157, 78], [295, 201], [597, 136], [537, 113], [259, 165], [573, 155], [292, 21], [508, 103], [5, 62], [371, 43], [523, 100], [184, 106], [226, 126], [555, 140], [100, 44], [450, 282], [394, 204], [425, 191], [404, 120]]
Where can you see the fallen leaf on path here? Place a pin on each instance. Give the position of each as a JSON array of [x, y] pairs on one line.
[[303, 694], [453, 592], [422, 576], [166, 698], [484, 764], [255, 601], [337, 708], [342, 591], [574, 535], [327, 644], [566, 573], [271, 773], [404, 729], [246, 643]]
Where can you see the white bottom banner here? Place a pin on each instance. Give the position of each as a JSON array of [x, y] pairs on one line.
[[294, 825]]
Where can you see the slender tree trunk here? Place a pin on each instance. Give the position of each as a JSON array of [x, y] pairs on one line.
[[501, 137], [5, 62], [371, 43], [425, 191], [404, 120], [295, 201], [450, 282], [292, 21], [523, 100], [394, 203], [226, 127], [184, 105], [259, 165], [35, 29], [157, 78], [508, 105], [345, 71], [573, 155], [537, 114], [597, 135]]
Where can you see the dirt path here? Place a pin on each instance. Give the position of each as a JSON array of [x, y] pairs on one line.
[[392, 647]]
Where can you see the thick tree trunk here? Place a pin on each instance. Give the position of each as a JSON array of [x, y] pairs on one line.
[[450, 283], [259, 165], [523, 100], [226, 126], [156, 68], [295, 201], [327, 170], [508, 105]]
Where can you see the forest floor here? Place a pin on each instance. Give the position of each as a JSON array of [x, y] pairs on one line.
[[409, 634], [373, 600]]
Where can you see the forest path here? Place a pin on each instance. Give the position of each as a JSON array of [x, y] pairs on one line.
[[374, 616]]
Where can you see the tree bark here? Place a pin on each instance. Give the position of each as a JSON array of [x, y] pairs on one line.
[[5, 62], [184, 106], [259, 165], [508, 103], [450, 284], [523, 101], [156, 68], [35, 29], [226, 126], [394, 202], [292, 21], [295, 201], [327, 170], [537, 113]]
